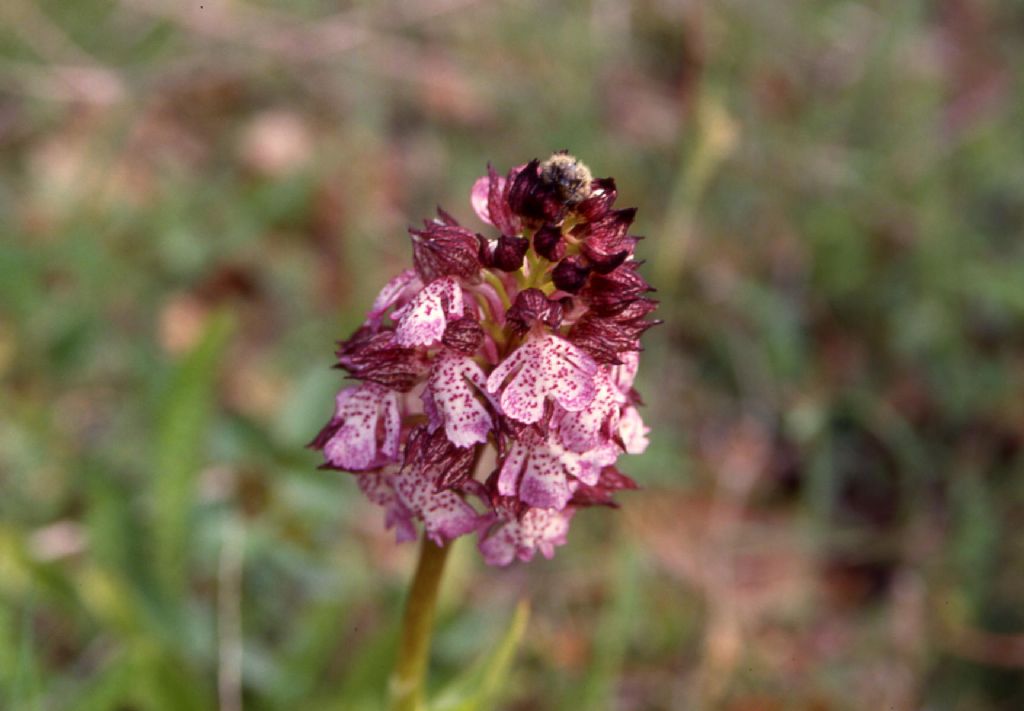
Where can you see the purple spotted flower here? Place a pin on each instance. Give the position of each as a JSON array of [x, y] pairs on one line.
[[524, 342]]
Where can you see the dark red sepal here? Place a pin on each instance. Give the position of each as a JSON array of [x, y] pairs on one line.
[[606, 338], [431, 454], [509, 253], [463, 335], [444, 250], [570, 275], [377, 358], [533, 199], [603, 239], [602, 197], [324, 436], [600, 494], [637, 310], [610, 293], [605, 263], [549, 243], [498, 208], [531, 306], [445, 217]]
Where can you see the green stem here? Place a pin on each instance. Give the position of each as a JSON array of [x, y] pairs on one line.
[[538, 269], [494, 281], [417, 626]]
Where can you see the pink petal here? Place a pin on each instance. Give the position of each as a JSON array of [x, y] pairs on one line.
[[379, 488], [392, 426], [545, 367], [445, 514], [422, 321], [376, 486], [452, 392], [623, 375], [500, 546], [544, 484], [538, 473], [356, 443], [352, 448], [537, 529], [585, 429], [402, 286], [591, 462], [478, 196], [545, 529], [633, 431], [512, 468]]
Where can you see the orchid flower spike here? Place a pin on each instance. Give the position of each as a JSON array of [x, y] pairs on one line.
[[525, 342]]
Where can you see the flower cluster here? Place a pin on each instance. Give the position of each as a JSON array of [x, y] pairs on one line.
[[496, 378]]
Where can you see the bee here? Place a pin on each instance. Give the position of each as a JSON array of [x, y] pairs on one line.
[[569, 176]]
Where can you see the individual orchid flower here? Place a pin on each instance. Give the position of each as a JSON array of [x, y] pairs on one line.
[[453, 397], [539, 471], [545, 367], [364, 431], [422, 321], [398, 290], [589, 427], [520, 536], [445, 514]]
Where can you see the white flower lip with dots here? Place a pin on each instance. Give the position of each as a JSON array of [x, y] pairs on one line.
[[364, 432], [541, 473], [453, 398], [542, 368], [537, 529], [392, 292], [587, 428], [445, 514], [422, 321]]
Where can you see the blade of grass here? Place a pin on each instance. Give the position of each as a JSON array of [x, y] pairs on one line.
[[26, 685], [613, 633], [479, 688], [184, 416]]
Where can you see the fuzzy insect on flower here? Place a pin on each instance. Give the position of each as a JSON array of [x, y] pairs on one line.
[[526, 342]]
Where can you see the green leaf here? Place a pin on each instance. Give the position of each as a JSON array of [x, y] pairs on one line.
[[26, 687], [184, 418], [480, 686]]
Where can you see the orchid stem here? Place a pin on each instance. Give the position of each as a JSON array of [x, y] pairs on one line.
[[499, 287], [407, 680]]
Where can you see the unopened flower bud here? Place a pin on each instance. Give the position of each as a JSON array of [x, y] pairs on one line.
[[508, 255], [570, 275], [531, 306], [549, 243], [444, 250]]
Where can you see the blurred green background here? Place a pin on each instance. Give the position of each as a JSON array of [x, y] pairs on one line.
[[197, 198]]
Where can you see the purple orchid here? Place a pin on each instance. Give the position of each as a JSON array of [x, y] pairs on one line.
[[525, 342]]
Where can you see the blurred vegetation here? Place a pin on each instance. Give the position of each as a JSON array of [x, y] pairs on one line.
[[197, 198]]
